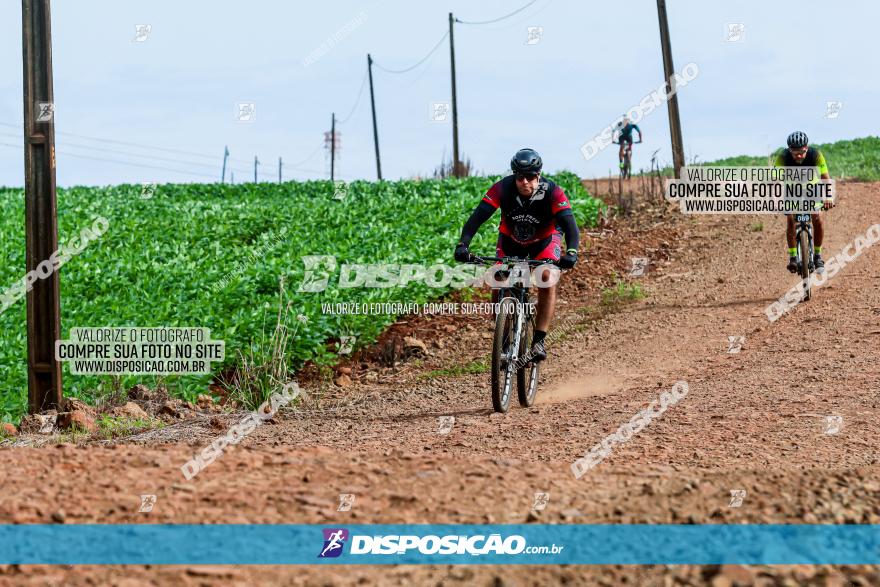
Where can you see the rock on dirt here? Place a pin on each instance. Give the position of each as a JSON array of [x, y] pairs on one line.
[[78, 419], [71, 404], [212, 572], [733, 575], [131, 410], [412, 346], [171, 408], [38, 423], [141, 392], [343, 380], [9, 429]]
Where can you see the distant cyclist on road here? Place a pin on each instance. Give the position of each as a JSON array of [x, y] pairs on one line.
[[625, 135], [800, 154], [535, 213]]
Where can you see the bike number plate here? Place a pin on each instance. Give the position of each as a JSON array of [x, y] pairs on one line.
[[802, 218]]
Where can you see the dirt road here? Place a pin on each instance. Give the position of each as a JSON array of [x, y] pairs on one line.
[[789, 419]]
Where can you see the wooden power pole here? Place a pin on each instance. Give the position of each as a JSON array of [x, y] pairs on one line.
[[375, 127], [279, 169], [672, 102], [225, 157], [455, 161], [41, 222], [256, 163]]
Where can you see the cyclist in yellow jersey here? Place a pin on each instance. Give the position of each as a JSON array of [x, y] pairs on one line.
[[800, 153]]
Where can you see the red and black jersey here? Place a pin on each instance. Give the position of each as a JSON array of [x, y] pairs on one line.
[[527, 220]]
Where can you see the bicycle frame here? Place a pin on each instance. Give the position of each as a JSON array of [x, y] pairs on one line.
[[626, 171], [509, 354], [519, 292], [521, 296], [804, 225], [804, 228]]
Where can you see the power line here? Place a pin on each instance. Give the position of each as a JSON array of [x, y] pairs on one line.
[[141, 146], [422, 60], [183, 171], [357, 101], [239, 169], [318, 148], [122, 162], [518, 10], [118, 152], [67, 144]]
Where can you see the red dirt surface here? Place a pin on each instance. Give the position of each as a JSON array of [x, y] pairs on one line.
[[754, 420]]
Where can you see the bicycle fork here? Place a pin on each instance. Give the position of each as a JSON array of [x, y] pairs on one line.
[[515, 333]]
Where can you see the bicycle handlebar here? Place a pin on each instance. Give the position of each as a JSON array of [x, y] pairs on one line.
[[481, 260]]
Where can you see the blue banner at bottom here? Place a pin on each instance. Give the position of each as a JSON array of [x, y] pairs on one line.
[[370, 544]]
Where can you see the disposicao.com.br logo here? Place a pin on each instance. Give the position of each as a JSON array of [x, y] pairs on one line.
[[334, 541], [431, 544]]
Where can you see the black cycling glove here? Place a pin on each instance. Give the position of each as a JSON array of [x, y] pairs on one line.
[[462, 253], [568, 260]]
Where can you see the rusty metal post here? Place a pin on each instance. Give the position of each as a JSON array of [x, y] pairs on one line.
[[41, 223]]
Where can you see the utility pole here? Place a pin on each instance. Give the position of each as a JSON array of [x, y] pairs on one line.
[[672, 102], [256, 163], [375, 128], [41, 220], [279, 169], [225, 156], [333, 147], [455, 164]]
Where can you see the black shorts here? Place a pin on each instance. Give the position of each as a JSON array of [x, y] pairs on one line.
[[628, 139]]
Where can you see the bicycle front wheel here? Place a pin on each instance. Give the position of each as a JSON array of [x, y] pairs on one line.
[[805, 252], [503, 360], [527, 374]]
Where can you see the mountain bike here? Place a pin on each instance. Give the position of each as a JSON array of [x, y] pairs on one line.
[[804, 239], [514, 325], [626, 170]]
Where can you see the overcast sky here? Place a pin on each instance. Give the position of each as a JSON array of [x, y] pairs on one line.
[[178, 89]]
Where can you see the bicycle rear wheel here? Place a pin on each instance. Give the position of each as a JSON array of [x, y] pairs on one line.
[[503, 361], [527, 374], [804, 253], [627, 165]]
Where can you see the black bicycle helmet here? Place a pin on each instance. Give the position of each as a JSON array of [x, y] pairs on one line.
[[797, 140], [526, 161]]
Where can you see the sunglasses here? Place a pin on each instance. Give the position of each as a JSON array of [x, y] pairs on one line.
[[526, 176]]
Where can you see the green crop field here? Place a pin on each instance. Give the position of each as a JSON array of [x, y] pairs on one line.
[[210, 255]]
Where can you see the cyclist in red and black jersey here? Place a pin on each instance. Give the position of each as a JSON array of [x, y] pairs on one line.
[[535, 214]]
